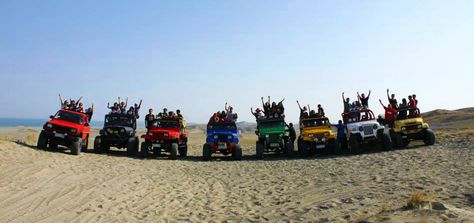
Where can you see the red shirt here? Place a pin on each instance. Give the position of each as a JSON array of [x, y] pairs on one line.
[[390, 114]]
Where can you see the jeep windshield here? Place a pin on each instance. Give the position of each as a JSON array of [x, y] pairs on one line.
[[221, 126], [271, 124], [69, 116], [358, 116], [119, 121], [165, 124], [315, 122]]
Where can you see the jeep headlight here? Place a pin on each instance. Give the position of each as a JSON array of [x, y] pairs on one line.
[[326, 134], [49, 125], [361, 129], [215, 136], [73, 130], [267, 136], [150, 133], [420, 126], [281, 135], [122, 130], [404, 128], [311, 135], [165, 134], [376, 126], [229, 137], [323, 139]]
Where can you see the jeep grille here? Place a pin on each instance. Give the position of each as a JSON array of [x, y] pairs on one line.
[[368, 130], [61, 129]]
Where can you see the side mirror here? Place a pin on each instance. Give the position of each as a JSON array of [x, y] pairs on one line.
[[51, 117]]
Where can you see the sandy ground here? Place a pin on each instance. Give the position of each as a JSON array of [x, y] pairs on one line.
[[374, 186]]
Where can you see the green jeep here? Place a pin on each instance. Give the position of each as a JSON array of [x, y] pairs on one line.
[[273, 136]]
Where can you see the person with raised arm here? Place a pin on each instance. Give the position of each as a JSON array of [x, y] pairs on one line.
[[137, 109], [347, 103], [303, 111], [390, 114], [363, 99], [64, 104], [392, 100], [229, 113]]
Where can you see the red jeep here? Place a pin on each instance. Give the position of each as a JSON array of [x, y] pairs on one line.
[[67, 128], [165, 134]]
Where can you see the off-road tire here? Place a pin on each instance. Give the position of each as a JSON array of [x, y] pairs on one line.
[[132, 147], [98, 145], [183, 150], [429, 137], [76, 147], [42, 141], [85, 145], [206, 152], [259, 150], [334, 147], [174, 151], [144, 149], [397, 139], [354, 144], [303, 149], [237, 152]]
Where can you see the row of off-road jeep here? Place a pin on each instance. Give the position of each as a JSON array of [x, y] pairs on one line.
[[168, 135]]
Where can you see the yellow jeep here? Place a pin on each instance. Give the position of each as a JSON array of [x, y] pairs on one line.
[[411, 126], [316, 136]]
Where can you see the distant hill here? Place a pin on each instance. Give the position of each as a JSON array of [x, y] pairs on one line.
[[441, 118]]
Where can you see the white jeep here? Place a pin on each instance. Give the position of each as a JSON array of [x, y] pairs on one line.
[[362, 128]]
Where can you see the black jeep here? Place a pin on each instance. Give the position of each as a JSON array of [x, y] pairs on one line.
[[119, 131]]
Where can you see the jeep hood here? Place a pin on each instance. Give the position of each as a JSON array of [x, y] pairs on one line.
[[65, 123], [278, 130], [171, 132]]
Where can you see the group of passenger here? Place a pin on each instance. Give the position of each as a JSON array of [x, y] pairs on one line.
[[273, 110], [394, 111], [120, 107], [76, 106], [227, 115], [163, 115], [312, 113], [361, 103]]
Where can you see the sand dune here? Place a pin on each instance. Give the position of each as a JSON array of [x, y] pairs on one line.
[[54, 186]]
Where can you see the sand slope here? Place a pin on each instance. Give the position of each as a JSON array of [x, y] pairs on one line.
[[57, 187]]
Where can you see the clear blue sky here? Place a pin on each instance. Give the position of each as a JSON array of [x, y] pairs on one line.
[[196, 55]]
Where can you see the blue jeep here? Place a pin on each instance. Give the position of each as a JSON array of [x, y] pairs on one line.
[[222, 137]]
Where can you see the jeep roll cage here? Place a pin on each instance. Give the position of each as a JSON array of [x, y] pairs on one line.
[[314, 122], [221, 126], [358, 116], [120, 120], [411, 112]]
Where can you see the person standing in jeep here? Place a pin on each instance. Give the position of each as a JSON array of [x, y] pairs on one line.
[[363, 99], [149, 117], [392, 100], [347, 103]]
